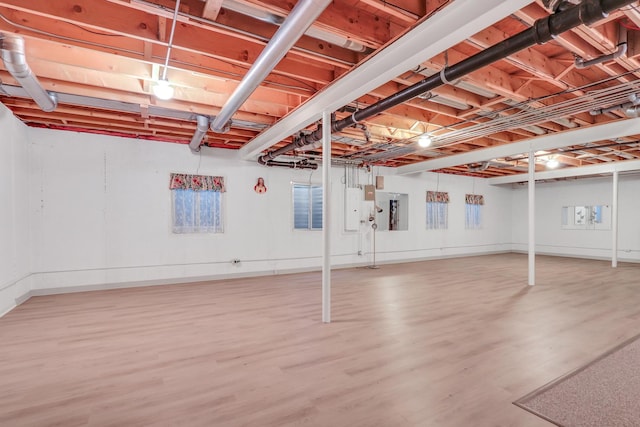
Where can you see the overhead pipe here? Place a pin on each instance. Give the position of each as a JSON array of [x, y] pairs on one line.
[[202, 126], [300, 164], [310, 147], [632, 111], [272, 18], [542, 31], [633, 101], [122, 106], [15, 61], [299, 20], [620, 51], [478, 167]]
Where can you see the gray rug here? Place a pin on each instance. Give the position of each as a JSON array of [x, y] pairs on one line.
[[603, 393]]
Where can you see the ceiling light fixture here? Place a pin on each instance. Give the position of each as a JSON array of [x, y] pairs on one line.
[[424, 141], [553, 163], [163, 89]]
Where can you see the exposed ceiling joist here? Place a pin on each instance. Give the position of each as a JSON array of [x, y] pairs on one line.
[[604, 168], [356, 53], [567, 138], [398, 57]]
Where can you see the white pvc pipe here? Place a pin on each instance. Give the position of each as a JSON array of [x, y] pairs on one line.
[[326, 216], [614, 222], [303, 14], [532, 218]]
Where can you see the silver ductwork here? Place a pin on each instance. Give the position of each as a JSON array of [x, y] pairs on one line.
[[15, 61], [299, 20], [202, 126], [632, 111], [266, 16]]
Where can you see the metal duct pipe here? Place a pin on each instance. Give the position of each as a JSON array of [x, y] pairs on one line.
[[543, 30], [299, 20], [272, 18], [620, 51], [633, 111], [15, 61], [202, 127]]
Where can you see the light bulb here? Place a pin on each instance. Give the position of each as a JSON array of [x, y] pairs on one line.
[[552, 163], [424, 141], [163, 90]]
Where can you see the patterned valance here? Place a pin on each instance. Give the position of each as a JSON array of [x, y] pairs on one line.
[[437, 196], [474, 199], [181, 181]]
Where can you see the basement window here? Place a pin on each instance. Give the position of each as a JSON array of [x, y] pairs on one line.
[[307, 207], [473, 211], [197, 203], [437, 210]]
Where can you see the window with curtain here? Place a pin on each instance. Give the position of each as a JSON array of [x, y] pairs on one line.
[[473, 214], [437, 210], [307, 207], [197, 203]]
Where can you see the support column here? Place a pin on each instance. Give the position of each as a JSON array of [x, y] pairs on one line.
[[326, 216], [614, 222], [532, 218]]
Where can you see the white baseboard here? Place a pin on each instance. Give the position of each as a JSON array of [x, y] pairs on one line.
[[49, 283], [578, 256], [7, 309], [41, 287], [14, 294], [23, 298]]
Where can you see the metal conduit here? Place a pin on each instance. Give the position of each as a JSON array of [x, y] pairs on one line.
[[531, 116], [299, 20], [535, 116], [543, 30], [15, 61], [621, 49]]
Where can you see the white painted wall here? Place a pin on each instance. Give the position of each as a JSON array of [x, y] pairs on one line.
[[14, 210], [102, 210], [552, 239], [98, 213], [420, 243]]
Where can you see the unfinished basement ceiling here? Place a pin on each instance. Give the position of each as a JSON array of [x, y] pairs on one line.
[[102, 58]]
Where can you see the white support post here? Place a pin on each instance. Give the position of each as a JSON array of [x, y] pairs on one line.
[[532, 218], [614, 222], [326, 214]]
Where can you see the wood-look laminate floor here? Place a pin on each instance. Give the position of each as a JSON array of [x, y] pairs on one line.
[[437, 343]]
